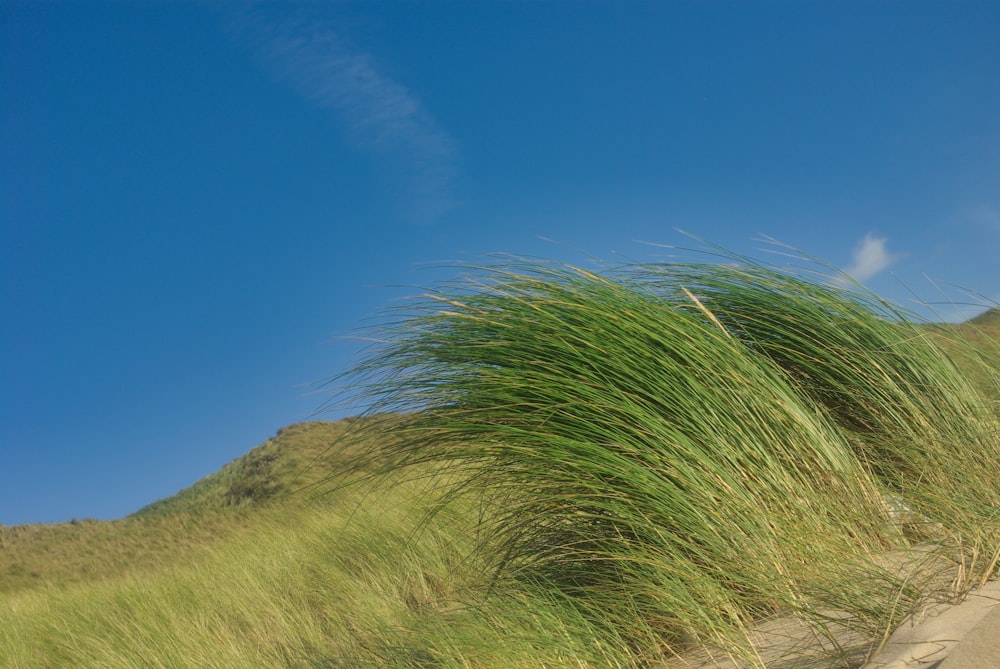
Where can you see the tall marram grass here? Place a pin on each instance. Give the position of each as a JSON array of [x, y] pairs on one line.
[[587, 471], [344, 585], [913, 417], [679, 451]]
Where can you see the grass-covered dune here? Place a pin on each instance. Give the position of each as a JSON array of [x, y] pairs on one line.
[[559, 468], [680, 450], [84, 551]]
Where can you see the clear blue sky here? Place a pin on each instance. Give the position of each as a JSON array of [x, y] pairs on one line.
[[198, 200]]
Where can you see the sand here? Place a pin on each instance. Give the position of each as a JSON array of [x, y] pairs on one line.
[[964, 635], [957, 636]]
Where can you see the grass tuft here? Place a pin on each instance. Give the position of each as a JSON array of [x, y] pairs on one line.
[[646, 467], [680, 450]]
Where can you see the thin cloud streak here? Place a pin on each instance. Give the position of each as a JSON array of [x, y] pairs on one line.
[[870, 257], [381, 116]]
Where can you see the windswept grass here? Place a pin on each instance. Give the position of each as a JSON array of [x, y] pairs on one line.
[[975, 347], [564, 469], [345, 585], [278, 593], [914, 418], [681, 450], [88, 551], [287, 466]]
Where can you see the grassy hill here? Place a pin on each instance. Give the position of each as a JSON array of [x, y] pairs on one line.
[[983, 330], [975, 345], [294, 461], [294, 469], [256, 565], [289, 465], [988, 321], [267, 563]]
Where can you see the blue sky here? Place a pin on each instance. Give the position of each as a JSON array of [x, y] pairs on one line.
[[200, 203]]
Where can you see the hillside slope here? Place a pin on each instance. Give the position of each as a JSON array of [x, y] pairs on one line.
[[286, 469], [983, 333], [266, 563], [294, 461], [290, 467], [988, 321]]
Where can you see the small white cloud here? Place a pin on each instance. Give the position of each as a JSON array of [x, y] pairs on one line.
[[870, 257]]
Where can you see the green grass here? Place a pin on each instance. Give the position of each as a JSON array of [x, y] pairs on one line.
[[347, 583], [913, 417], [562, 469], [975, 346], [293, 461], [288, 465], [272, 594], [680, 450]]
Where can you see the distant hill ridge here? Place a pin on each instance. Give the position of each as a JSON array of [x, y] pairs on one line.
[[298, 457], [983, 331], [989, 319]]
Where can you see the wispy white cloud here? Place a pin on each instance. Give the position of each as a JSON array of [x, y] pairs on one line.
[[870, 257], [380, 115]]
